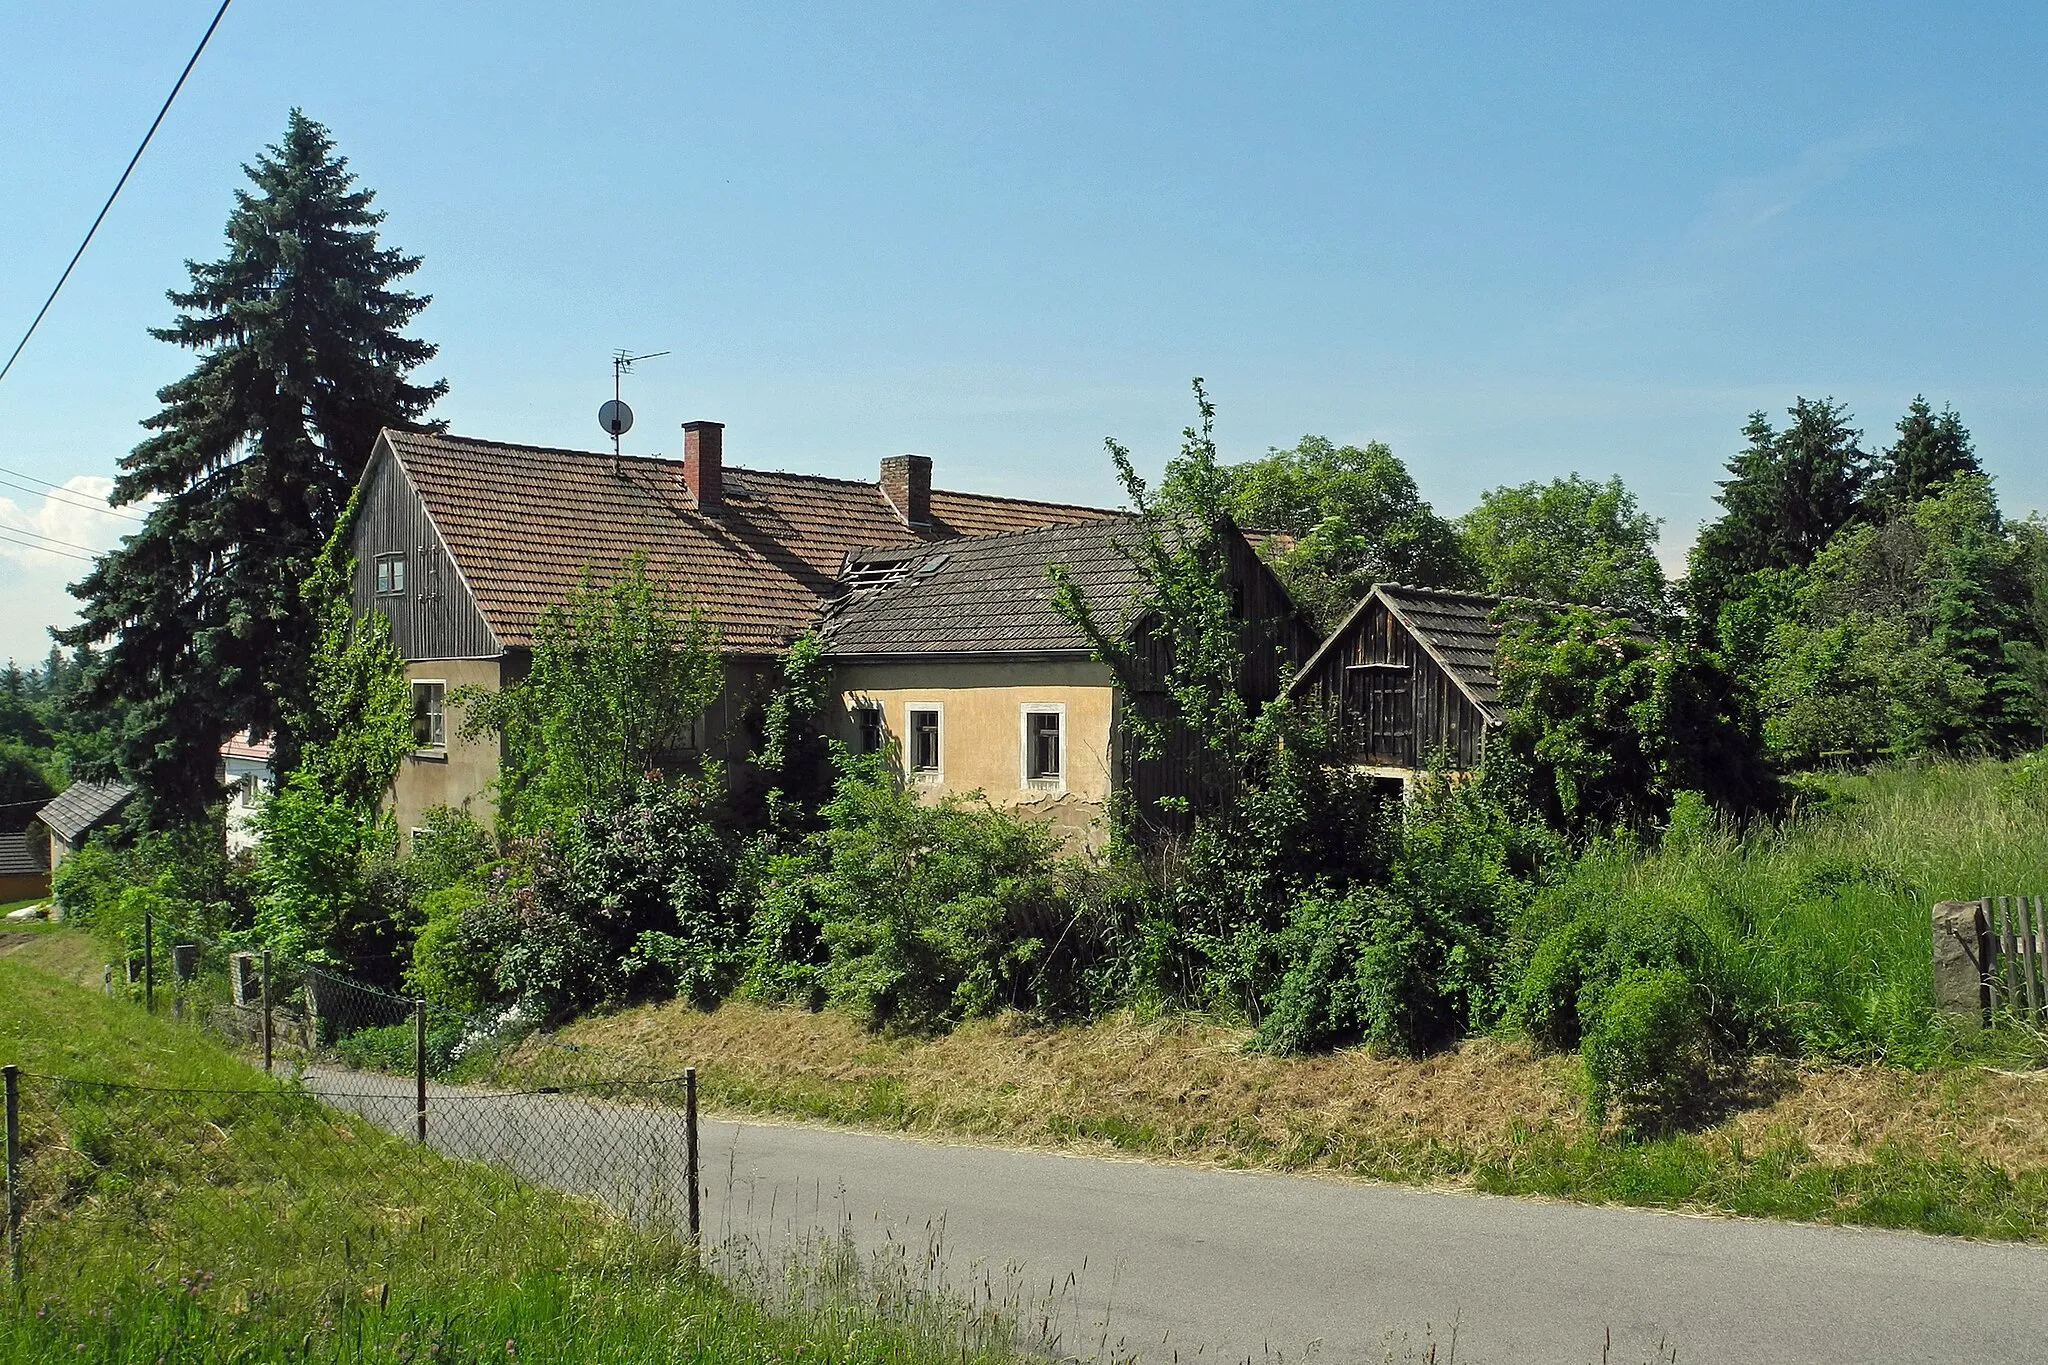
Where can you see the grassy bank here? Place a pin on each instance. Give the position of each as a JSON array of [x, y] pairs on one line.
[[1956, 1150], [192, 1224]]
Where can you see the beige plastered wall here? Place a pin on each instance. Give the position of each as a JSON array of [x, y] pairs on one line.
[[981, 731], [461, 775]]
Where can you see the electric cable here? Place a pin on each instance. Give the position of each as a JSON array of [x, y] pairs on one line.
[[144, 146]]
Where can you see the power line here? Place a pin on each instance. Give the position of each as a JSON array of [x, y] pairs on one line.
[[31, 545], [144, 146], [68, 544], [69, 497]]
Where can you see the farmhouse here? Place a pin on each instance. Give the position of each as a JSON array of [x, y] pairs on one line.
[[464, 543], [1409, 676], [952, 658]]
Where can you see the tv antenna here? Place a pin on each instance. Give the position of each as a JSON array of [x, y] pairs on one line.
[[615, 417]]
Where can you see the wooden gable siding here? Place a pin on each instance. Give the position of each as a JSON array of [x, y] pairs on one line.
[[435, 617], [1394, 704], [1276, 641]]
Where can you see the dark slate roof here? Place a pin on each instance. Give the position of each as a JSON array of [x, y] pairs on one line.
[[18, 856], [83, 807], [989, 595], [523, 522]]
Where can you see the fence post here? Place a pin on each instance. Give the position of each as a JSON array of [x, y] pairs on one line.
[[690, 1161], [13, 1079], [266, 1011], [148, 963], [419, 1064]]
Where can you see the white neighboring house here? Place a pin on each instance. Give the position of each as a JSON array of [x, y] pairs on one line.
[[245, 770]]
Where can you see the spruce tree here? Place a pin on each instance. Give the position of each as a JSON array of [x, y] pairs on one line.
[[1787, 493], [254, 454], [1932, 449]]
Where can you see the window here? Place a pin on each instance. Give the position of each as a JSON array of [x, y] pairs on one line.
[[923, 728], [868, 718], [390, 575], [427, 718], [1042, 747]]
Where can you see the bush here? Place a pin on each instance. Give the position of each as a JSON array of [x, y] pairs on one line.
[[1648, 1051], [912, 916], [634, 896], [393, 1048], [183, 877], [454, 959]]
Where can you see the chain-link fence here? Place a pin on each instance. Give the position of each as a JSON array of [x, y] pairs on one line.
[[106, 1179]]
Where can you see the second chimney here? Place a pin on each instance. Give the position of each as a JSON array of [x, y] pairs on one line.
[[704, 463], [907, 484]]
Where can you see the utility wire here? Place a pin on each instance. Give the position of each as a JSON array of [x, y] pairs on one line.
[[89, 232], [31, 545], [69, 497], [67, 544]]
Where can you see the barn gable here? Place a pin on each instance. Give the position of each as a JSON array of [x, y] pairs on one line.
[[404, 569]]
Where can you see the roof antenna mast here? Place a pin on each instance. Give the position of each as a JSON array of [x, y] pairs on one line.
[[615, 417]]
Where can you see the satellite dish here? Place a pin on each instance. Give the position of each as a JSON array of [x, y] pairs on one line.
[[616, 418]]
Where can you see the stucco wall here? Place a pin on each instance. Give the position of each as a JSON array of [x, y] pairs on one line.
[[981, 730], [462, 775]]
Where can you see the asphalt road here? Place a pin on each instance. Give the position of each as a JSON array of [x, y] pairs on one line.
[[1181, 1263]]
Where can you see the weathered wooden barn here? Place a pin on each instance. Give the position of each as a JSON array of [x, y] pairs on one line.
[[1410, 676]]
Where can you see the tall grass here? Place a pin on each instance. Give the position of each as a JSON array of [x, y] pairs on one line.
[[219, 1217], [1826, 915]]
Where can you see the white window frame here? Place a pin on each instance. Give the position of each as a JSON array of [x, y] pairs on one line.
[[431, 750], [1025, 781], [932, 775]]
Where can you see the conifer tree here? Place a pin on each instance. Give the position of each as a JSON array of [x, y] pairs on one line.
[[1932, 449], [1787, 493], [302, 359]]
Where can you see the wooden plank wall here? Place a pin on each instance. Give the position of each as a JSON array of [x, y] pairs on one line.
[[1395, 705], [436, 618]]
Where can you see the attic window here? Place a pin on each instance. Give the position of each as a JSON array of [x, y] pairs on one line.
[[390, 575]]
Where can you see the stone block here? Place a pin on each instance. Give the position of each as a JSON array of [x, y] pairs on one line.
[[1961, 959]]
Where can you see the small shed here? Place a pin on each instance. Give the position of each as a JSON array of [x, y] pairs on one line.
[[1409, 675], [23, 874], [77, 811]]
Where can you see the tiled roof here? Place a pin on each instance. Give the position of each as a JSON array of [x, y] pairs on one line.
[[18, 857], [83, 807], [985, 596], [522, 522]]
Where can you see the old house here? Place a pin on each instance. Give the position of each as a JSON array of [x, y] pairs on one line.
[[245, 773], [1410, 676], [74, 813], [953, 658], [464, 543], [24, 869]]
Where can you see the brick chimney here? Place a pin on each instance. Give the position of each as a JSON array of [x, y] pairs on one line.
[[704, 463], [907, 484]]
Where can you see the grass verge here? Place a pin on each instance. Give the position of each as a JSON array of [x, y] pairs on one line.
[[226, 1219], [1960, 1150]]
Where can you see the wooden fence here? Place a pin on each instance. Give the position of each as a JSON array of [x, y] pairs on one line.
[[2016, 954]]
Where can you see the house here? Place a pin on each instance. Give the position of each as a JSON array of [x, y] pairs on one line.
[[24, 873], [1410, 676], [77, 811], [245, 771], [953, 658], [464, 543]]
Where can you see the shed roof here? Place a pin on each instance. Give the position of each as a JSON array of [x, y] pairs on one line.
[[18, 856], [523, 522], [989, 595], [83, 807]]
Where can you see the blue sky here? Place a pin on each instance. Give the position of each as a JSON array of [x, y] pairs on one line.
[[1512, 241]]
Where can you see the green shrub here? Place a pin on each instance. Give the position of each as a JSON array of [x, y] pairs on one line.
[[1648, 1049], [448, 849], [394, 1047], [454, 962], [912, 916]]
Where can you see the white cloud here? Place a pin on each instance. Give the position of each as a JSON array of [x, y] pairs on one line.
[[32, 580]]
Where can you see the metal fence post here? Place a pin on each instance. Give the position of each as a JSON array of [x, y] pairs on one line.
[[690, 1161], [148, 963], [266, 1011], [419, 1063], [13, 1084]]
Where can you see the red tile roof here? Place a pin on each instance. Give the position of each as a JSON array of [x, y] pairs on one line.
[[523, 522]]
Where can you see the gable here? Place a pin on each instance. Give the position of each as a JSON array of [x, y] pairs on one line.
[[435, 616]]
